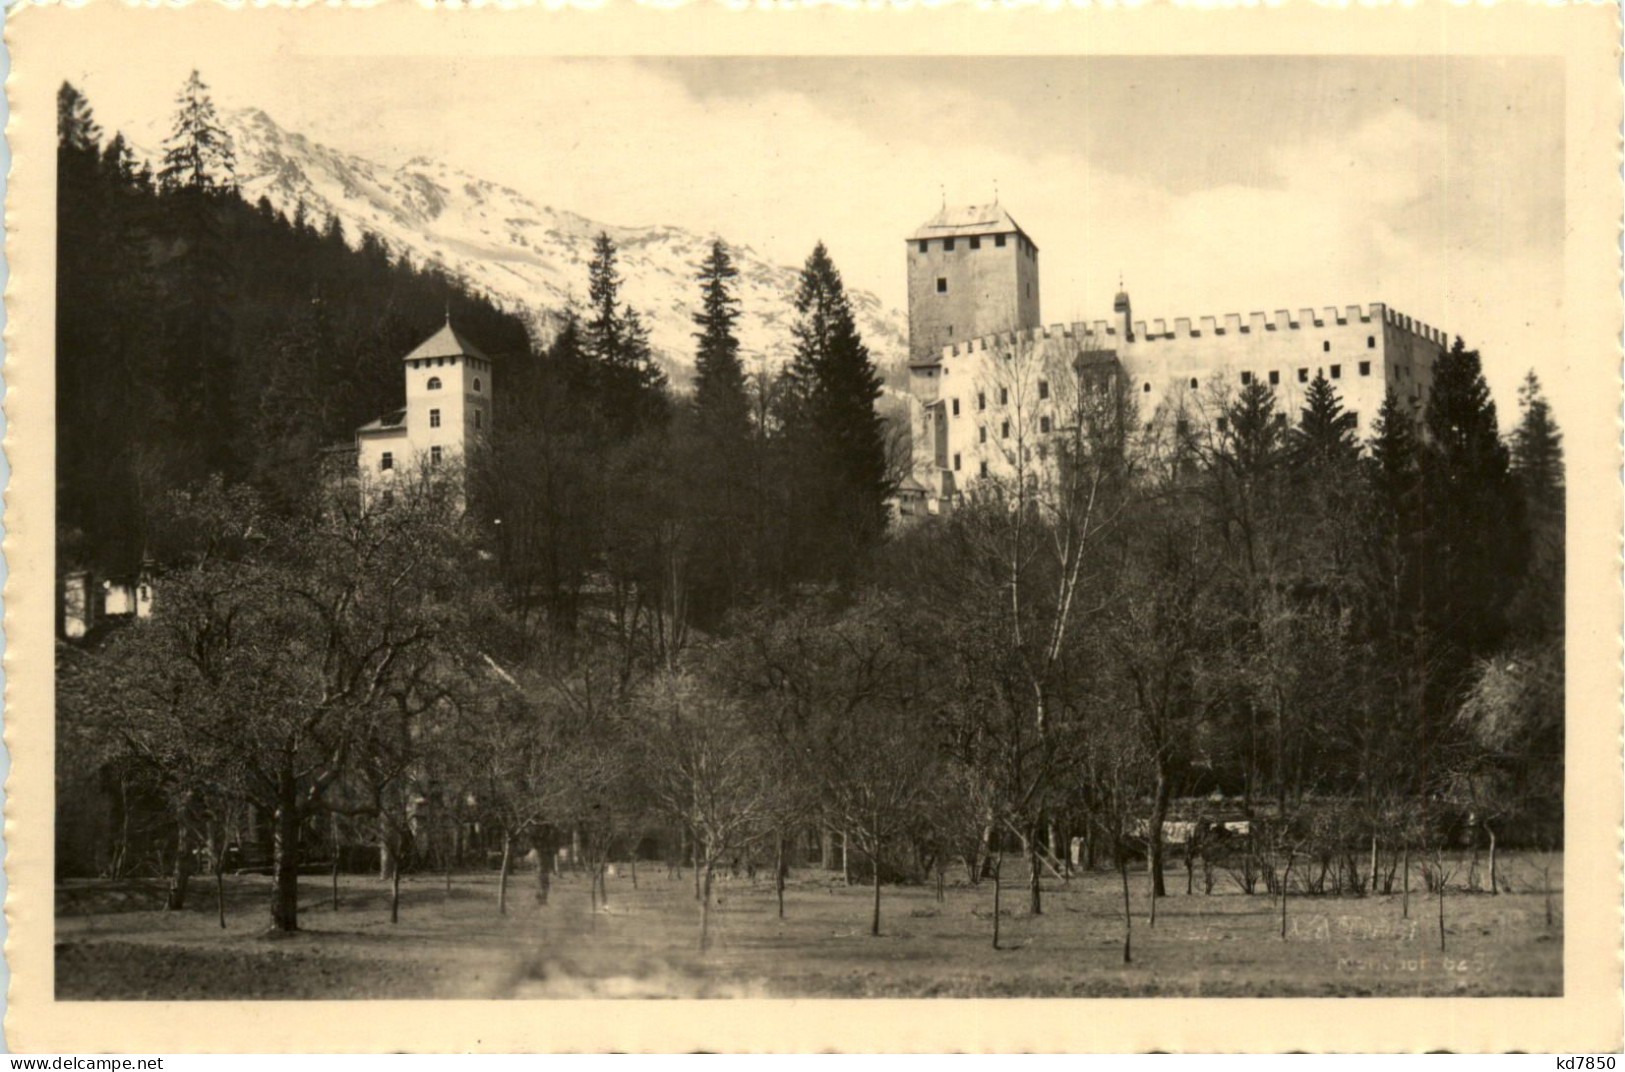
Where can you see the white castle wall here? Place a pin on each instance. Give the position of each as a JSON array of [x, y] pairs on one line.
[[1193, 365]]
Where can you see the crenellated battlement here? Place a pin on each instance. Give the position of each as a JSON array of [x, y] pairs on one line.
[[1254, 323]]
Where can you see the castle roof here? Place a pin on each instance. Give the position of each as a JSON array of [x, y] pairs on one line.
[[446, 343], [393, 421], [968, 220]]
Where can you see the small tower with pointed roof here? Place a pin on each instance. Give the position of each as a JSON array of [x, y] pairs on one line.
[[448, 408]]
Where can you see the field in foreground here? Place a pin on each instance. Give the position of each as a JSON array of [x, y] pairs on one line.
[[110, 944]]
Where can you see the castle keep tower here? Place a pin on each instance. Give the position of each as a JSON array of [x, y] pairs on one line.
[[972, 271]]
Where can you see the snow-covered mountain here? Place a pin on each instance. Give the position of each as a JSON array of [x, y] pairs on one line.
[[531, 258]]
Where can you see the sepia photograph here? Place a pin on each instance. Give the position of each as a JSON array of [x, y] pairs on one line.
[[822, 526]]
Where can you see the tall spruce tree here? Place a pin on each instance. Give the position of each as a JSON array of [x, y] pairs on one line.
[[1475, 519], [1325, 438], [721, 405], [198, 153], [1537, 464], [831, 418], [631, 389]]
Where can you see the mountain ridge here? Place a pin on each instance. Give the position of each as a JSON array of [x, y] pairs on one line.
[[530, 258]]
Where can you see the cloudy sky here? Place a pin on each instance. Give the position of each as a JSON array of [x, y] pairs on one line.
[[1212, 185]]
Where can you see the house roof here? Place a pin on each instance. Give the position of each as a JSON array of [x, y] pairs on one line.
[[446, 343], [968, 220], [910, 484], [393, 421]]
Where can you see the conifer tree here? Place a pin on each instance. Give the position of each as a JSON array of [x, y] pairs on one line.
[[1325, 438], [720, 403], [631, 387], [831, 418], [1537, 448], [1475, 519], [1537, 464], [198, 154], [76, 128]]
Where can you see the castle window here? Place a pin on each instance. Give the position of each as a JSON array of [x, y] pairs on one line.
[[1246, 379], [1365, 368], [1370, 342], [434, 418], [981, 400], [1275, 377], [434, 455], [1303, 375], [387, 461], [1004, 430], [956, 407], [476, 385], [1337, 372], [942, 285], [1223, 424], [975, 242], [1326, 346], [947, 245], [984, 468], [1182, 427], [1004, 396], [1043, 388], [1043, 424], [1354, 419], [925, 246], [434, 383], [998, 240], [1147, 388], [1193, 383], [956, 463]]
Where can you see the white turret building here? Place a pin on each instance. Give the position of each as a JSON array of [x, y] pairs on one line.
[[448, 409]]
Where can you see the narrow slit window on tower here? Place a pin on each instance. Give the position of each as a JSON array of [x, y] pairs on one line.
[[942, 285], [983, 469], [981, 434], [1354, 419], [1004, 396], [1004, 430], [956, 463], [956, 407], [1043, 388], [1043, 425], [434, 418], [476, 385], [1370, 342], [981, 400], [1326, 346], [1146, 388], [1275, 377]]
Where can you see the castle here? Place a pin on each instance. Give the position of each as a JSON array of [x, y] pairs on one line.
[[985, 373], [448, 407]]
